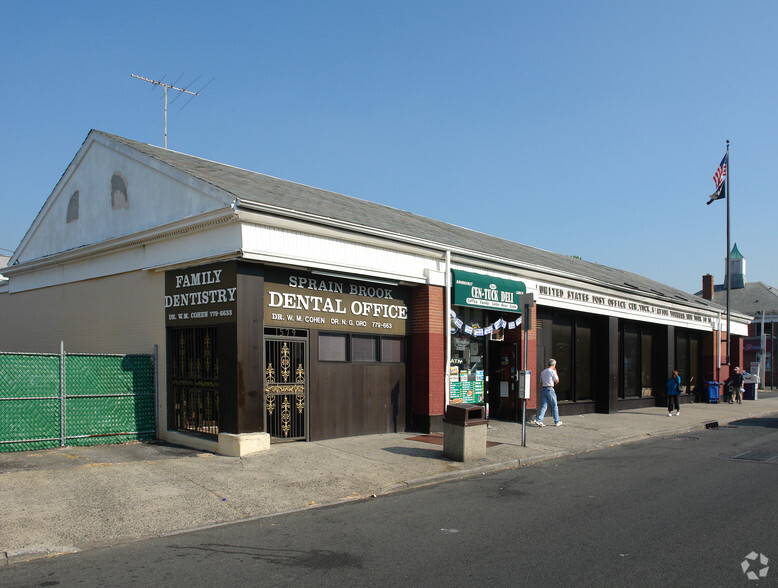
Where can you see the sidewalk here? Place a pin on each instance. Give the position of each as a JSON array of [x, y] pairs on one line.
[[70, 499]]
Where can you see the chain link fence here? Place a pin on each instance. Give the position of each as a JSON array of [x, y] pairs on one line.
[[52, 400]]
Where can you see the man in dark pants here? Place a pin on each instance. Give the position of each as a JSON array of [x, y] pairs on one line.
[[733, 386]]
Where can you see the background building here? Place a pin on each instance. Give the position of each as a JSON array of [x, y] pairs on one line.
[[758, 300]]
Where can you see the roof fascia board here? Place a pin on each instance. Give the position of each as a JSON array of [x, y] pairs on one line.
[[315, 265], [332, 230], [464, 255], [164, 232], [438, 248]]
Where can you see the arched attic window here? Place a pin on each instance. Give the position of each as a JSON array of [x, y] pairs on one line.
[[119, 197], [72, 214]]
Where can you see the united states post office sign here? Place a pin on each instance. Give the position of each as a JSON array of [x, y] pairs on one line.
[[482, 291], [310, 301]]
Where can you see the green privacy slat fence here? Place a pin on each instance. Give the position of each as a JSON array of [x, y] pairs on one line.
[[75, 399]]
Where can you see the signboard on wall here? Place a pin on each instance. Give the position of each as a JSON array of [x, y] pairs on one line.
[[310, 301], [205, 294], [482, 291]]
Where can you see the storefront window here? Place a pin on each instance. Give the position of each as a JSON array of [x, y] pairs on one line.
[[193, 380], [637, 355], [466, 371], [630, 361], [569, 339], [562, 337], [392, 350], [583, 359], [646, 364], [364, 348], [361, 348], [333, 347], [687, 358]]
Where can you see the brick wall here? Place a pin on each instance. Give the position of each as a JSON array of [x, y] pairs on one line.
[[428, 348]]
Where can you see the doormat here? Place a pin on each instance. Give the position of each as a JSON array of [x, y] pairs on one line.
[[437, 439]]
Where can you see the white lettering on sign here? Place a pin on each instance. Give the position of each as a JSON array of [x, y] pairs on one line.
[[377, 309], [220, 295], [199, 279], [305, 302]]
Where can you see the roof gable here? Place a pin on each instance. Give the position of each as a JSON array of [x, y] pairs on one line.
[[109, 191]]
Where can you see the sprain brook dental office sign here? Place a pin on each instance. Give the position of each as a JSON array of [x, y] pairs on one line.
[[308, 301]]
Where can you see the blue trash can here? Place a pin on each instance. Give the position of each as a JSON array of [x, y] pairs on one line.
[[712, 389], [750, 393]]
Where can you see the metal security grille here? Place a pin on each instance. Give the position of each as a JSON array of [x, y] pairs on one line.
[[286, 389], [194, 381], [49, 400]]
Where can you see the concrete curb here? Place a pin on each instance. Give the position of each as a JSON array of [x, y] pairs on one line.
[[13, 556], [539, 458]]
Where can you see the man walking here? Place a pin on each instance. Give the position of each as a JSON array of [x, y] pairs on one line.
[[548, 379]]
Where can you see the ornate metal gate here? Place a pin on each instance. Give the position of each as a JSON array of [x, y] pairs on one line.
[[286, 388]]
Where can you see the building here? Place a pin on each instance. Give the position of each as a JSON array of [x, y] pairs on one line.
[[286, 312], [758, 300]]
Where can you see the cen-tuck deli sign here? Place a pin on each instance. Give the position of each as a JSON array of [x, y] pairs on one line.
[[203, 294], [310, 301], [483, 291]]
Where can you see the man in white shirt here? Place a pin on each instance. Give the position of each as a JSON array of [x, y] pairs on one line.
[[548, 379]]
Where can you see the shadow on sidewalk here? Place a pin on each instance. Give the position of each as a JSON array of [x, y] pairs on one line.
[[422, 452], [765, 422]]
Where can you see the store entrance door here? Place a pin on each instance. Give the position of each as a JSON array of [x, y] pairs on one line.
[[286, 388], [502, 379]]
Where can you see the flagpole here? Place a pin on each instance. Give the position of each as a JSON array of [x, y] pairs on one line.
[[729, 268]]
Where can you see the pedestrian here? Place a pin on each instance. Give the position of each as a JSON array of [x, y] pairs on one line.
[[733, 386], [673, 390], [548, 379]]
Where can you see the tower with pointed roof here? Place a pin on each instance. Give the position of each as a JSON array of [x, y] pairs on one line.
[[737, 267]]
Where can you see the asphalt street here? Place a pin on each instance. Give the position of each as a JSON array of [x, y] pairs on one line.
[[680, 509], [74, 499]]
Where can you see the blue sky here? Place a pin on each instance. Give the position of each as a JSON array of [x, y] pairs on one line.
[[586, 128]]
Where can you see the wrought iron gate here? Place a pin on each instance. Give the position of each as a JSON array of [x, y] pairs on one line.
[[286, 388]]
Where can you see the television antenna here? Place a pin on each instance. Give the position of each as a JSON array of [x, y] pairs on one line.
[[173, 87]]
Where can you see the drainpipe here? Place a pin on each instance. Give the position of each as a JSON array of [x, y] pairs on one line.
[[447, 328]]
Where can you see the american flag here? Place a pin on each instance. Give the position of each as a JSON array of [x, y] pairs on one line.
[[721, 172]]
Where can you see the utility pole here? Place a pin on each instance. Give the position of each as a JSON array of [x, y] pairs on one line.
[[172, 87]]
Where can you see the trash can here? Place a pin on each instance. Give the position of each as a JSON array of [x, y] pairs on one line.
[[750, 385], [712, 389], [464, 432]]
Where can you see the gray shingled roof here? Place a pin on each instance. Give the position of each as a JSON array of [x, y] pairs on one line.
[[752, 299], [252, 186]]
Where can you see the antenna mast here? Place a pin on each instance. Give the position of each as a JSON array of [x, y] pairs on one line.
[[166, 86]]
